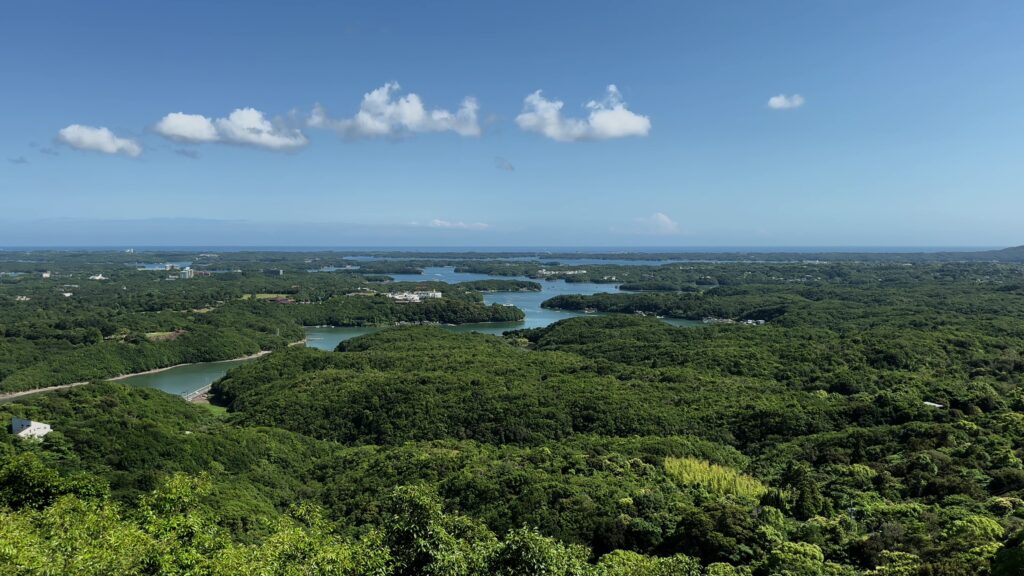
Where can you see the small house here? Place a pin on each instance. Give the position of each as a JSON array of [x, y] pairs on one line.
[[23, 428]]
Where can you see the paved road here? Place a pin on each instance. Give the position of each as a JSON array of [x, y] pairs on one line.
[[13, 395]]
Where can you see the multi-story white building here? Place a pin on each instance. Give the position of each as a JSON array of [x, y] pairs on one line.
[[417, 296], [403, 296]]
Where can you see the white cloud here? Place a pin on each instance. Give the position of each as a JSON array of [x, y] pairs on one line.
[[380, 114], [783, 102], [437, 223], [658, 223], [98, 140], [187, 128], [243, 126], [248, 126], [608, 119]]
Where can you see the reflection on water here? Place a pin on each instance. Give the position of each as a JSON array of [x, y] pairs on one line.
[[682, 322], [163, 265], [183, 379]]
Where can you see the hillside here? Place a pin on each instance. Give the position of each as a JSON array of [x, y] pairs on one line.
[[869, 426]]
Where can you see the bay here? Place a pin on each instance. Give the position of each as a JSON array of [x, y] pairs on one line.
[[185, 379]]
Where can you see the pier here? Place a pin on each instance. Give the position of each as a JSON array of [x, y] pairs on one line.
[[197, 395]]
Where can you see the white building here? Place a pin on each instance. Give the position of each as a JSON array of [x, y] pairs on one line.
[[98, 277], [546, 272], [403, 296], [417, 296], [29, 429], [186, 274], [46, 274]]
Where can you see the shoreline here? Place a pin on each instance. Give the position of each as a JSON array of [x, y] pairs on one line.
[[13, 395], [402, 325], [22, 393], [158, 370]]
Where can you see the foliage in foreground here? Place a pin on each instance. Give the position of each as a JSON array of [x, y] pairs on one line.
[[171, 532]]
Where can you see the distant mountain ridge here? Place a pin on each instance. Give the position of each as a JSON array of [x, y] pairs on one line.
[[1008, 255], [445, 256], [1012, 254]]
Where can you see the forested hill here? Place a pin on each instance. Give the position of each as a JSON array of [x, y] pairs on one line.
[[872, 446], [1014, 254]]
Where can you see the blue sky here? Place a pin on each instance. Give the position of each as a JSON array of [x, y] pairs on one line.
[[904, 125]]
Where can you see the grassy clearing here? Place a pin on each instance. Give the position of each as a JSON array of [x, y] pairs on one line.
[[219, 411], [264, 296], [163, 336], [714, 478]]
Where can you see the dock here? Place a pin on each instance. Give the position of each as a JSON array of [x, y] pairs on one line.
[[197, 395]]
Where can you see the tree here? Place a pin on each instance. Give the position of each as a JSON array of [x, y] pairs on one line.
[[524, 552]]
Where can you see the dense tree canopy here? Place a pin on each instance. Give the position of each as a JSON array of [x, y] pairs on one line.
[[870, 426]]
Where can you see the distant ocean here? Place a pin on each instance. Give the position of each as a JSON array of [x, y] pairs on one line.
[[532, 249]]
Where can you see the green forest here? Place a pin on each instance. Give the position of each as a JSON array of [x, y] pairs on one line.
[[868, 424], [59, 325]]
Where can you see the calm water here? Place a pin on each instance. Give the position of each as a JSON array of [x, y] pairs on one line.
[[582, 261], [162, 265], [528, 302], [681, 322], [186, 379]]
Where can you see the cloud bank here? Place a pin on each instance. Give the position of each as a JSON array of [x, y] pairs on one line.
[[437, 223], [381, 114], [783, 102], [99, 139], [608, 119], [246, 126]]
